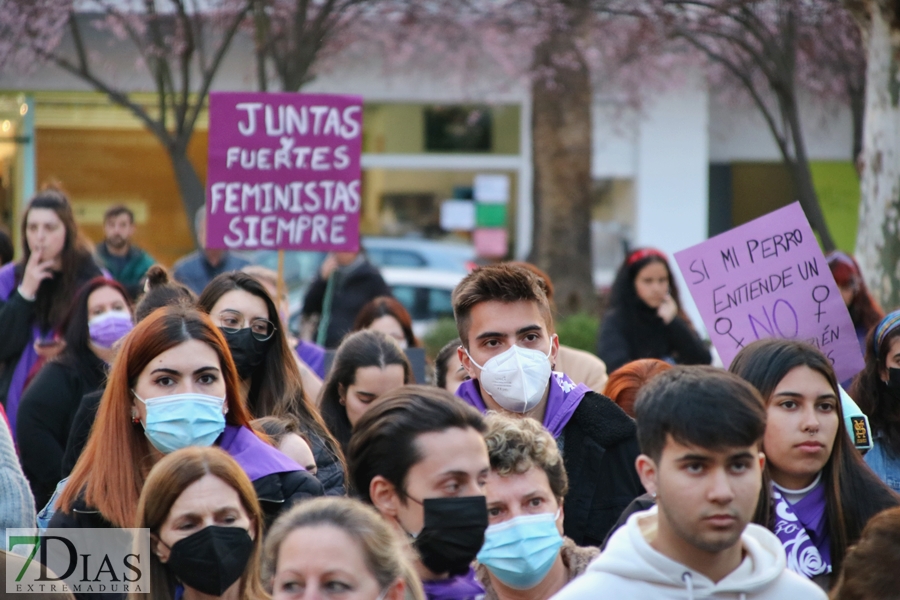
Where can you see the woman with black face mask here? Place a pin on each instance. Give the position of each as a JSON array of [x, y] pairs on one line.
[[270, 379], [206, 528], [877, 392]]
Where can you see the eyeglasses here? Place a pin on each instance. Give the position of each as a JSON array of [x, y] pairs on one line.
[[231, 321]]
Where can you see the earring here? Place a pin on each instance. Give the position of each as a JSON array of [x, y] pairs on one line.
[[135, 418]]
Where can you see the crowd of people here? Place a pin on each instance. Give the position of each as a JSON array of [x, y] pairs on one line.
[[270, 467]]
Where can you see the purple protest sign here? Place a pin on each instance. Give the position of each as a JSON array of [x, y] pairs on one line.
[[284, 171], [768, 278]]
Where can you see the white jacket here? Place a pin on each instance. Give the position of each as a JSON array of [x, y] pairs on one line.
[[631, 569]]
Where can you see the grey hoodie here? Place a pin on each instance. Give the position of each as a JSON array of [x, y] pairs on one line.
[[630, 568]]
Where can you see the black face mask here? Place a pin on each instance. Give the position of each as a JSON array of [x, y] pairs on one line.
[[453, 533], [247, 351], [893, 383], [212, 559]]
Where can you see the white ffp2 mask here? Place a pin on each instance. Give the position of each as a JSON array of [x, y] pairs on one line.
[[516, 378]]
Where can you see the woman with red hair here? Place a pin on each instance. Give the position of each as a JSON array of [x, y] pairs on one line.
[[623, 385], [173, 385], [864, 310]]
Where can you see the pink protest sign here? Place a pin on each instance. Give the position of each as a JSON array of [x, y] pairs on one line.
[[768, 278], [284, 171]]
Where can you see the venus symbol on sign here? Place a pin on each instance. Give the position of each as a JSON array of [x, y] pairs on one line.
[[820, 294], [723, 327]]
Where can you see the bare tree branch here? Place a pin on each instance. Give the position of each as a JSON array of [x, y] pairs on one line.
[[739, 73], [79, 43], [185, 58], [210, 73], [116, 96]]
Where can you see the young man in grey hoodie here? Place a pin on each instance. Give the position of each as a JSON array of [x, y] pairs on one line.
[[700, 430]]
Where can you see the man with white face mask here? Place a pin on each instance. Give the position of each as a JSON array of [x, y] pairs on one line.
[[509, 349]]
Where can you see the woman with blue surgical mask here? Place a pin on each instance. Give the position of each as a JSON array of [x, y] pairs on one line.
[[173, 385], [98, 319], [525, 555]]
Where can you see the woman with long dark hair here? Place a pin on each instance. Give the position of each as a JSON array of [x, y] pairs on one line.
[[645, 318], [877, 392], [36, 292], [823, 494], [367, 365], [269, 377], [100, 317]]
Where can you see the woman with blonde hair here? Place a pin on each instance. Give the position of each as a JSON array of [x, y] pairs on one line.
[[337, 543], [206, 528]]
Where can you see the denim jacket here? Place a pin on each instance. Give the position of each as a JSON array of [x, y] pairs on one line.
[[884, 463]]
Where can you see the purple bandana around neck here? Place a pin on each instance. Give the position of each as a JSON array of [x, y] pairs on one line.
[[564, 397], [256, 457], [802, 529], [461, 587]]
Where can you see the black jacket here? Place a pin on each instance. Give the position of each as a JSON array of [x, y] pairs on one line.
[[276, 492], [641, 503], [329, 470], [355, 286], [17, 318], [45, 417], [643, 334], [599, 448], [80, 430]]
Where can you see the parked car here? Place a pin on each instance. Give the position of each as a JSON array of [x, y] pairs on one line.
[[426, 293], [411, 254], [420, 253]]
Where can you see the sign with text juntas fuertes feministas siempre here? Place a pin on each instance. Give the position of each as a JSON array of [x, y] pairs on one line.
[[768, 278], [284, 171]]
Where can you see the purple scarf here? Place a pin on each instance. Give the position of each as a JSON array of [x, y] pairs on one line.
[[564, 397], [256, 457], [802, 529], [461, 587], [314, 357], [28, 357]]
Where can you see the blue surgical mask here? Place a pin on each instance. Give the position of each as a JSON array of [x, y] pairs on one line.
[[182, 420], [520, 552]]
